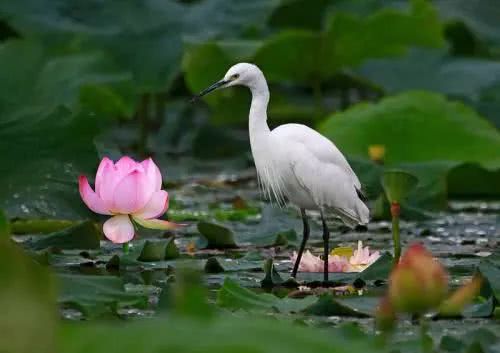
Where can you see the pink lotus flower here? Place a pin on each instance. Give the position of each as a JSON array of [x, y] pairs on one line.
[[338, 264], [309, 262], [123, 190], [360, 260]]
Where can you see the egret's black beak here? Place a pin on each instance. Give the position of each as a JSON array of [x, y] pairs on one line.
[[209, 89]]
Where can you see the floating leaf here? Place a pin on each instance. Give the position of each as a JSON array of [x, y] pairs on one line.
[[96, 295], [84, 235], [379, 270], [249, 262], [216, 235], [158, 250], [462, 297], [327, 305], [491, 273], [233, 296]]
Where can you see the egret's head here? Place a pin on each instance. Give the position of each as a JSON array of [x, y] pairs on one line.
[[240, 74]]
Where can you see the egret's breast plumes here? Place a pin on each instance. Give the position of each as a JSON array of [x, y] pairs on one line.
[[271, 182]]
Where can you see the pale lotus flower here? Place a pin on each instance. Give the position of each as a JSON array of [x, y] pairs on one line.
[[362, 258], [309, 262], [127, 189], [337, 264]]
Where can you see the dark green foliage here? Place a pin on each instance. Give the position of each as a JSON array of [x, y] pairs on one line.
[[83, 80]]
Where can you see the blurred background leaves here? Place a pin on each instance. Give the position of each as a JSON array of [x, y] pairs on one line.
[[105, 78], [412, 85]]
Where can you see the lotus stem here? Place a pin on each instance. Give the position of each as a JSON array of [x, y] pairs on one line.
[[395, 212], [126, 248], [424, 339]]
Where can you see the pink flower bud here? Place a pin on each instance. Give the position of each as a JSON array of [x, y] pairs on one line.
[[385, 317], [419, 283]]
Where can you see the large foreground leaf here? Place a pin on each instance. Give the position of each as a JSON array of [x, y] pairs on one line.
[[221, 335], [27, 303]]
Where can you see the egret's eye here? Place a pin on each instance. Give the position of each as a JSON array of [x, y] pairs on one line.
[[235, 76]]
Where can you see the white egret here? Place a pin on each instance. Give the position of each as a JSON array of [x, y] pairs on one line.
[[297, 164]]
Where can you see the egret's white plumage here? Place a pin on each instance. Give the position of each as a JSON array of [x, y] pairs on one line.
[[297, 164]]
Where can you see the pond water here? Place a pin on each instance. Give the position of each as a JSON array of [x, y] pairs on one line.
[[460, 238]]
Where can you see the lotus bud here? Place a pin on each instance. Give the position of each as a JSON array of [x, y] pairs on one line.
[[418, 283], [385, 317]]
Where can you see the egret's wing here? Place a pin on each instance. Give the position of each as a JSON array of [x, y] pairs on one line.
[[330, 186], [319, 146]]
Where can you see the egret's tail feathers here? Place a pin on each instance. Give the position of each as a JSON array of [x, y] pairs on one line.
[[351, 218]]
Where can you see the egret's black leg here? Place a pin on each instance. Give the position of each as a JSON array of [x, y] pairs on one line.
[[326, 247], [304, 241]]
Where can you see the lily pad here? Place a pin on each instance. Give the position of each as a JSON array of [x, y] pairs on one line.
[[233, 296], [327, 305], [158, 250], [84, 235], [491, 273], [245, 263], [96, 295], [217, 236]]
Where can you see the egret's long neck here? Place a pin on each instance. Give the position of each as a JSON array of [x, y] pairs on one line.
[[257, 125]]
